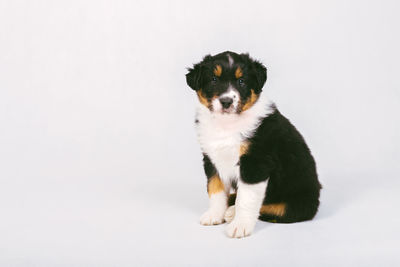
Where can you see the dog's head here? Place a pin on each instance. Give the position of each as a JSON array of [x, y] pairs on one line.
[[227, 82]]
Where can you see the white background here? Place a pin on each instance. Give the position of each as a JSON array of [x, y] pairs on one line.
[[99, 163]]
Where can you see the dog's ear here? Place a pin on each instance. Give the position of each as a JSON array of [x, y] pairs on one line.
[[194, 76], [259, 72]]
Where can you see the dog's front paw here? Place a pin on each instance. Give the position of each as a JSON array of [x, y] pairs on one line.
[[212, 217], [239, 228]]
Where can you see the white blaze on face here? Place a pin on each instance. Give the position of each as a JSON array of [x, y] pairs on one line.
[[231, 93], [230, 60]]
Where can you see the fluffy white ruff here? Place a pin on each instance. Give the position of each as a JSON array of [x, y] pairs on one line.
[[247, 209], [220, 135], [216, 210]]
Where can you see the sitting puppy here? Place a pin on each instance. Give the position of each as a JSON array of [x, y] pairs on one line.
[[250, 148]]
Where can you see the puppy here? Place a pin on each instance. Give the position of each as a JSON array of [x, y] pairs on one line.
[[249, 148]]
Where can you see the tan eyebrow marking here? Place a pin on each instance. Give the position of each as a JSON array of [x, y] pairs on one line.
[[218, 70], [238, 73]]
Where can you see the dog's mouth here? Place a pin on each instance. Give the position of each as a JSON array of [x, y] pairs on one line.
[[230, 110]]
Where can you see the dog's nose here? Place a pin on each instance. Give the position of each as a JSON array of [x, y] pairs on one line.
[[226, 102]]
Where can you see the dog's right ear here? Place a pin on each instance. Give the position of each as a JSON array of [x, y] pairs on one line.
[[194, 76]]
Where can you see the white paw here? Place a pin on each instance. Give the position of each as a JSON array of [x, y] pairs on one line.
[[212, 216], [229, 214], [239, 228]]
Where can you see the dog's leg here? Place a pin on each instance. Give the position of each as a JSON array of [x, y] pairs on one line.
[[247, 209], [218, 202]]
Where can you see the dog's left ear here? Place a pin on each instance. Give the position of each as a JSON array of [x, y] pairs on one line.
[[193, 77], [258, 71], [261, 74]]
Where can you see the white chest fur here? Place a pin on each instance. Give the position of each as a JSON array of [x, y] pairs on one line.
[[221, 135]]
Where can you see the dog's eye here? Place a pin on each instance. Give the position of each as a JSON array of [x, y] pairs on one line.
[[241, 81], [214, 79]]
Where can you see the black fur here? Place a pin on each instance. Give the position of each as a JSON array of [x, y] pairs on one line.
[[209, 168], [278, 151]]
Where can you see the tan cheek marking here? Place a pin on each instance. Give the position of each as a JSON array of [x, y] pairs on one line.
[[218, 70], [244, 147], [203, 100], [274, 209], [238, 73], [215, 185], [252, 99]]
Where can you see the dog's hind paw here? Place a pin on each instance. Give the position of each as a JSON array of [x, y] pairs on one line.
[[229, 214]]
